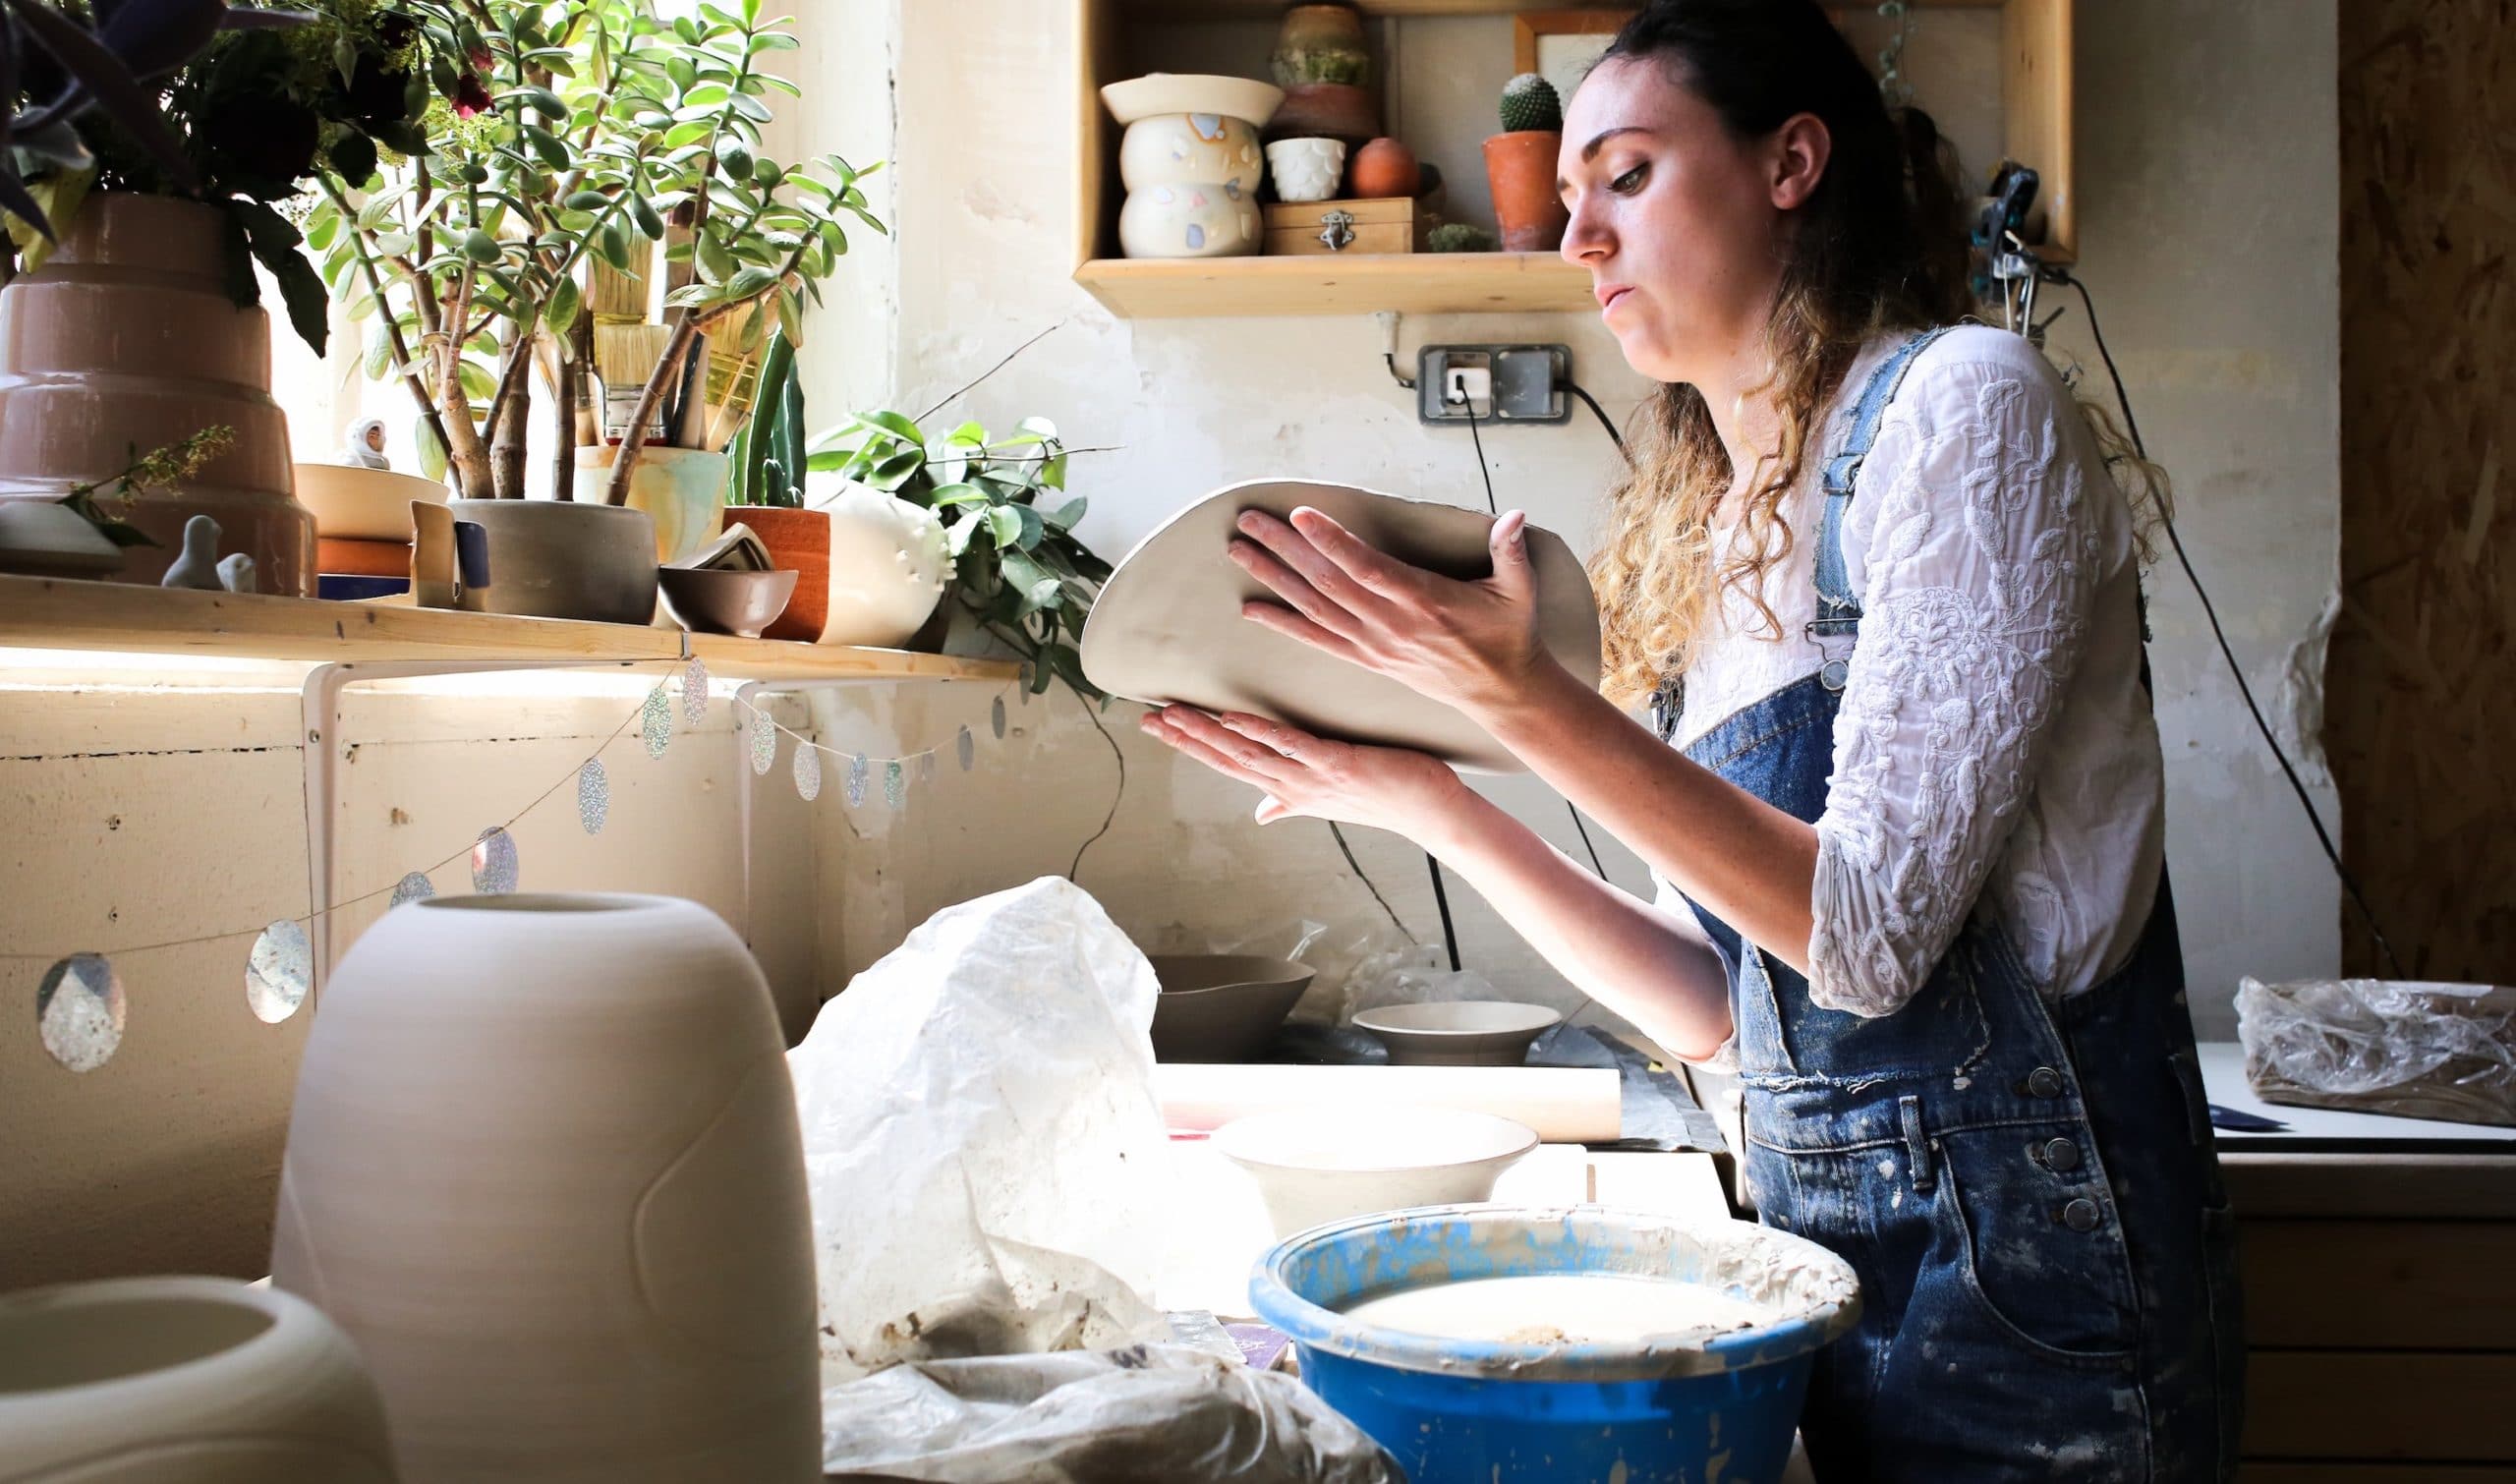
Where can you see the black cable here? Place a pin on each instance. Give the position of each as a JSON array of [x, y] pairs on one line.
[[1442, 900], [1598, 412], [2131, 425], [1357, 867]]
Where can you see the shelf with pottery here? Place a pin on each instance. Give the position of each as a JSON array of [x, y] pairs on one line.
[[51, 613], [2032, 68]]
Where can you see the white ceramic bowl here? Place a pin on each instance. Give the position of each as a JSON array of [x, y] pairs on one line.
[[1326, 1164], [1458, 1032], [362, 505], [1158, 92]]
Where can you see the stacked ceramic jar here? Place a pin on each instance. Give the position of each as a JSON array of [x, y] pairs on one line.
[[1190, 163]]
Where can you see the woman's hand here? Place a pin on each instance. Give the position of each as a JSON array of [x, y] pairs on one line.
[[1470, 644], [1387, 787]]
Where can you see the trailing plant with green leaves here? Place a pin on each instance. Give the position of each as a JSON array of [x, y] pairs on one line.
[[1008, 521], [565, 131]]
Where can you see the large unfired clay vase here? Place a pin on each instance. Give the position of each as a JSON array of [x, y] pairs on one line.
[[544, 1167], [127, 340], [182, 1381]]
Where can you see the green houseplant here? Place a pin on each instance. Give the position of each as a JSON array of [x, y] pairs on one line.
[[1008, 526]]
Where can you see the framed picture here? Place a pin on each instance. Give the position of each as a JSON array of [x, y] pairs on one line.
[[1559, 45]]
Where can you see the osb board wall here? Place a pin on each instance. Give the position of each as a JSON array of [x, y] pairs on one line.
[[2420, 714]]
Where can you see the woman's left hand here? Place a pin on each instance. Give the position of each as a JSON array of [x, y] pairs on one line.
[[1467, 644], [1387, 787]]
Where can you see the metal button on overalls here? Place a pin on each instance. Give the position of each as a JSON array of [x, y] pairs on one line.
[[2044, 1082], [2079, 1216], [2060, 1154]]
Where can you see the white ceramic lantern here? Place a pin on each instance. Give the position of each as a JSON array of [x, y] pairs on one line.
[[1191, 163]]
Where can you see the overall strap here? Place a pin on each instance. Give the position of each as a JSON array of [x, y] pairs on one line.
[[1837, 613]]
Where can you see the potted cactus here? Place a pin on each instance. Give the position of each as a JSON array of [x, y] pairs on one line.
[[1520, 165]]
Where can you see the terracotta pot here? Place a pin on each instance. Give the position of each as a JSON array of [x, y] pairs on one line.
[[1326, 110], [1384, 168], [136, 1380], [561, 559], [1322, 43], [798, 541], [127, 339], [544, 1167], [1520, 168], [682, 490]]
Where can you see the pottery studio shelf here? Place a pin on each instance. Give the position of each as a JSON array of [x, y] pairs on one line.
[[48, 614], [2025, 56]]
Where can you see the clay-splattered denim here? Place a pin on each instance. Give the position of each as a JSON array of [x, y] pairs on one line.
[[2030, 1193]]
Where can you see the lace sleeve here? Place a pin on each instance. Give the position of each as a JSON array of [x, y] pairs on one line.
[[1976, 558]]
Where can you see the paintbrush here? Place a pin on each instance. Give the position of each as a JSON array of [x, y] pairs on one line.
[[625, 356], [619, 294], [689, 422]]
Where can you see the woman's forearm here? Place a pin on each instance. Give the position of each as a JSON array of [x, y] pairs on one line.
[[1652, 967], [1751, 865]]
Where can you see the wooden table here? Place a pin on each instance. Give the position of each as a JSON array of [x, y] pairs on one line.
[[2380, 1263]]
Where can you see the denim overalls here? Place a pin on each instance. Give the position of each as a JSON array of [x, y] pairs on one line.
[[2030, 1192]]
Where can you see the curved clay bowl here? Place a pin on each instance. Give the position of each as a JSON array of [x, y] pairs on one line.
[[1159, 92], [707, 602], [1458, 1032], [1222, 1006], [137, 1379], [1168, 625], [362, 505], [1327, 1163]]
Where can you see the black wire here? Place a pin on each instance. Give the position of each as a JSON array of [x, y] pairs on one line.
[[1614, 436], [1357, 867], [1442, 900], [2131, 425]]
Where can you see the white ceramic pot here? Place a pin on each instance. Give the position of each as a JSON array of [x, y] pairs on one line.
[[202, 1380], [1191, 162], [544, 1167], [889, 563], [681, 489], [364, 504], [1306, 169], [1327, 1163]]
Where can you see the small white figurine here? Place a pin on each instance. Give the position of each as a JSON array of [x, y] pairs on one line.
[[235, 574], [198, 567], [366, 447]]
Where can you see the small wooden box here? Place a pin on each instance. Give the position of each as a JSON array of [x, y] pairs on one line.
[[1381, 224]]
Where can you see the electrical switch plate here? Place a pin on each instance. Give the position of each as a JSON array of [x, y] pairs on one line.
[[1529, 382]]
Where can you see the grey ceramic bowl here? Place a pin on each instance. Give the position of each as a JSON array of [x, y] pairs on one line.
[[711, 602], [1222, 1006], [1458, 1032]]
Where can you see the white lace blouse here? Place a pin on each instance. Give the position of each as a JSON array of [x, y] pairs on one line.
[[1994, 748]]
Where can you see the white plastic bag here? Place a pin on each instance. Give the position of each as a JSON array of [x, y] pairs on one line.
[[2413, 1050], [982, 1140], [1151, 1413]]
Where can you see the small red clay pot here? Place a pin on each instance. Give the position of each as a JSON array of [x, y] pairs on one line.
[[798, 540], [1382, 168], [1520, 167]]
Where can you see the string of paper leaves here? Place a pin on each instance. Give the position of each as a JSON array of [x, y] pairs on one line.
[[82, 1006]]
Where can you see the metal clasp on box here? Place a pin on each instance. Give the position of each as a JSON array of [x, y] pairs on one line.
[[1336, 231]]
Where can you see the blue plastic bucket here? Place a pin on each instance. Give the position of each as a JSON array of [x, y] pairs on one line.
[[1692, 1408]]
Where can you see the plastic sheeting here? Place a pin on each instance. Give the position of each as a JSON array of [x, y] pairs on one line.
[[2413, 1050]]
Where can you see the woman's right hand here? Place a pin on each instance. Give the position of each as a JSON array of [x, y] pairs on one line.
[[1393, 788]]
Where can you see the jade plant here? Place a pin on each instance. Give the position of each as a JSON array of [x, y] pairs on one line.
[[1008, 524], [565, 134]]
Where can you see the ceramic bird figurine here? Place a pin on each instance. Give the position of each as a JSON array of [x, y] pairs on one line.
[[235, 574], [198, 567], [366, 447]]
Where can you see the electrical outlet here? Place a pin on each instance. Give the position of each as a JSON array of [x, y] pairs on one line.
[[1526, 382]]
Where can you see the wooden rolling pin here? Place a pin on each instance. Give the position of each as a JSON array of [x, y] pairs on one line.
[[1565, 1104]]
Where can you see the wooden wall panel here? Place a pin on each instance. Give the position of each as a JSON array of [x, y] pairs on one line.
[[2421, 701]]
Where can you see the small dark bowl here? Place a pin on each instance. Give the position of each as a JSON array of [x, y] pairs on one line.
[[740, 604], [1222, 1006]]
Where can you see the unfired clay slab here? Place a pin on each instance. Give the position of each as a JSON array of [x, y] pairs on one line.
[[1167, 626]]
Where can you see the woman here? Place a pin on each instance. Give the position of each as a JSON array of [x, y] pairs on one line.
[[1886, 591]]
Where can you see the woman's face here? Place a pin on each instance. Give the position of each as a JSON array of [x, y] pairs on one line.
[[1678, 222]]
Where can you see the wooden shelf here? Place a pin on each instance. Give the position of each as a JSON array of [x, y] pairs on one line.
[[2034, 66], [51, 614], [1414, 283]]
